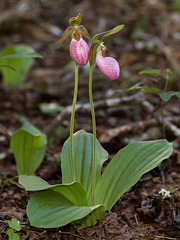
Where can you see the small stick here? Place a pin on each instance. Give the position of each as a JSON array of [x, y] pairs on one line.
[[41, 230], [156, 236]]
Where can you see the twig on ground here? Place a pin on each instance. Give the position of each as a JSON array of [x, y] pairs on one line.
[[165, 49], [24, 10], [134, 99], [156, 236], [21, 10], [168, 125], [1, 221], [139, 126], [42, 230], [85, 107]]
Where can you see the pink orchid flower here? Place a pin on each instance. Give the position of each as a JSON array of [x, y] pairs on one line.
[[107, 65], [79, 51]]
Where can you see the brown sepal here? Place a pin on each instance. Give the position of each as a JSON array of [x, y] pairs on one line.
[[65, 35], [84, 31]]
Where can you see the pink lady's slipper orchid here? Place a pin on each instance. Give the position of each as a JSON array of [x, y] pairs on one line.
[[79, 51], [78, 48], [107, 65]]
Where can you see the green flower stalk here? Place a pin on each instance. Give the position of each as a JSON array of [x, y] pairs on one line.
[[94, 135], [110, 68], [72, 122], [79, 52]]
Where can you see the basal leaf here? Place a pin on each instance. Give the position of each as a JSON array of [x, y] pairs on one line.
[[22, 55], [28, 145], [127, 167], [50, 209], [33, 183], [23, 51], [20, 59], [73, 191], [82, 148], [92, 218], [6, 66], [11, 77]]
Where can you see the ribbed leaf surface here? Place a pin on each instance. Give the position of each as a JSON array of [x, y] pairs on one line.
[[50, 209], [83, 149], [127, 167], [28, 145], [73, 191]]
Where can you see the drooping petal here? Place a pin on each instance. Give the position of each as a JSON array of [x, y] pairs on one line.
[[108, 66], [79, 51]]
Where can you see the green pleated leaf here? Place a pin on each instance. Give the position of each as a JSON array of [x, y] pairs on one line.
[[127, 167], [28, 145], [83, 149], [23, 55], [73, 191], [50, 209], [33, 183], [19, 60], [91, 218]]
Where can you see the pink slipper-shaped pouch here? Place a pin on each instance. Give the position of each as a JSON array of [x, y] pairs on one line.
[[79, 51], [108, 66]]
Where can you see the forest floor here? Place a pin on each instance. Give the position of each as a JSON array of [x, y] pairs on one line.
[[150, 40]]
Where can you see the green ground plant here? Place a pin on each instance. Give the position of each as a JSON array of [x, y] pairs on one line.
[[13, 226], [15, 63], [28, 145]]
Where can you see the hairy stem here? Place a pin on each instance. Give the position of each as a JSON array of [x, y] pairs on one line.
[[72, 123], [94, 136]]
